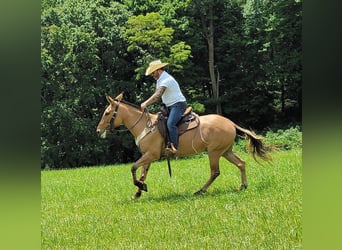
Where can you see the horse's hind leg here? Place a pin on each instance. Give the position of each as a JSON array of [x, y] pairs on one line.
[[233, 158], [214, 172]]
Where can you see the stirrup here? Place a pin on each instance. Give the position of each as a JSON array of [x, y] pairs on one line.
[[170, 150]]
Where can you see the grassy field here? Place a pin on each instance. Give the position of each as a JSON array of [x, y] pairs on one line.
[[90, 208]]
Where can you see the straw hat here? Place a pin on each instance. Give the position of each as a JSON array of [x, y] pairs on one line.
[[154, 65]]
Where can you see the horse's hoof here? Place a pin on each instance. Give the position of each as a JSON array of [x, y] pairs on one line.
[[141, 185], [243, 186], [136, 195], [144, 187]]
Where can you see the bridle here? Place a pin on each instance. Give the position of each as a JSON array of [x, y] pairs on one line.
[[111, 123]]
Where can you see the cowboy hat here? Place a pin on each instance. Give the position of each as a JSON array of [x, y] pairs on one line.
[[154, 65]]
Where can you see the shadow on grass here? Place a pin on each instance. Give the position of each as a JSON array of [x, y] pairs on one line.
[[176, 197], [185, 197]]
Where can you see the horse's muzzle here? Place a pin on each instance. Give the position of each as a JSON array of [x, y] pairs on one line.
[[102, 134]]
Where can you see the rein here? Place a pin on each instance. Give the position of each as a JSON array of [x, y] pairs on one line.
[[110, 125]]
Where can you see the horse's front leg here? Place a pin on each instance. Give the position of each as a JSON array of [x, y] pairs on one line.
[[145, 162], [140, 184], [142, 178]]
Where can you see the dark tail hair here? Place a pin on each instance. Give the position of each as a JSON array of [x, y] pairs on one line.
[[255, 145]]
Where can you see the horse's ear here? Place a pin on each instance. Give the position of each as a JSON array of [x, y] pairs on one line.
[[119, 97], [109, 99]]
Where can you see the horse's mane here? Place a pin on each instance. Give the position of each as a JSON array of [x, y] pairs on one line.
[[130, 104]]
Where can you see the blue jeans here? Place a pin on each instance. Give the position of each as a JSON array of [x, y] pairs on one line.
[[175, 114]]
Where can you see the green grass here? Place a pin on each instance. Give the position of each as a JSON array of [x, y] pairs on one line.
[[90, 208]]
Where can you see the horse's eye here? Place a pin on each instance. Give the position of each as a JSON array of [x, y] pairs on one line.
[[107, 113]]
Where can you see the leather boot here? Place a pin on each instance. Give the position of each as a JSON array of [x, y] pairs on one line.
[[171, 151]]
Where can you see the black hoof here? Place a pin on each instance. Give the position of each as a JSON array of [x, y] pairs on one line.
[[141, 185], [137, 195], [243, 186], [144, 187]]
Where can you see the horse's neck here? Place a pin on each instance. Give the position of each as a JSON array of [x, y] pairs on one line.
[[135, 120]]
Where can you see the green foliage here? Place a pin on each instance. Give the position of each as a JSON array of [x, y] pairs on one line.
[[147, 33], [91, 208], [197, 107], [276, 30], [148, 38], [179, 53], [81, 45], [281, 139], [285, 139]]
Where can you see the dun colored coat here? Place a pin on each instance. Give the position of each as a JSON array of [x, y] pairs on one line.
[[215, 134]]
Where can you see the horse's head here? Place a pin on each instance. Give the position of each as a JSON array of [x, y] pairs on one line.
[[110, 119]]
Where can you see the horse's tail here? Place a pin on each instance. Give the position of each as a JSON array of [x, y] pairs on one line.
[[255, 145]]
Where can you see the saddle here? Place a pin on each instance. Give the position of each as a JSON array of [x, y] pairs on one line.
[[189, 120]]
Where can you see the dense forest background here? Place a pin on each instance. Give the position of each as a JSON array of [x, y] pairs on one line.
[[238, 58]]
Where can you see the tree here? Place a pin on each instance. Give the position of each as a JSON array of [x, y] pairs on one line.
[[148, 39], [274, 29], [205, 10], [82, 52]]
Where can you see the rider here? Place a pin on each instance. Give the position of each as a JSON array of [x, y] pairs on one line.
[[167, 88]]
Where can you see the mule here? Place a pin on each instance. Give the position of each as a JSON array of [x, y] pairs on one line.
[[214, 134]]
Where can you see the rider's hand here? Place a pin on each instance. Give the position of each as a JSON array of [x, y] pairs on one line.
[[143, 106]]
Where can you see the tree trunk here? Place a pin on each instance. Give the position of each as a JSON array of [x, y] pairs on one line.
[[211, 49], [282, 96], [208, 32]]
